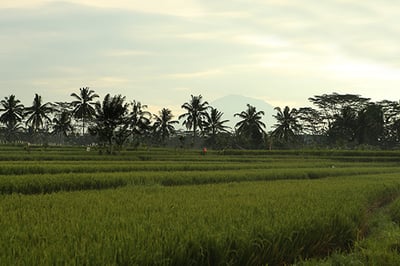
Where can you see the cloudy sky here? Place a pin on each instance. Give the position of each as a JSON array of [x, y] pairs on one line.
[[160, 52]]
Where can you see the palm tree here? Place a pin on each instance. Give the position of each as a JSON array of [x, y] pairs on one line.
[[164, 125], [38, 113], [110, 119], [287, 124], [251, 125], [62, 124], [83, 105], [13, 111], [214, 124], [139, 119], [195, 114], [13, 133]]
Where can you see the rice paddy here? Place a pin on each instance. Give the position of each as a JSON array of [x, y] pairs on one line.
[[69, 206]]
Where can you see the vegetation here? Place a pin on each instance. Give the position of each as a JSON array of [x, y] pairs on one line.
[[110, 124], [38, 114], [156, 202], [343, 121], [164, 125], [139, 120], [287, 126], [195, 114], [69, 205], [83, 105], [214, 127], [13, 112], [62, 125], [251, 128]]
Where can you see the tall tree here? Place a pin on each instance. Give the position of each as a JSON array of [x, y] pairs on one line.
[[310, 121], [62, 125], [370, 125], [195, 114], [13, 112], [110, 119], [84, 105], [213, 125], [139, 119], [287, 125], [344, 127], [391, 118], [38, 113], [251, 126], [331, 105], [164, 125]]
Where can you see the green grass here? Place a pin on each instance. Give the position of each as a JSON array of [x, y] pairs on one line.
[[48, 183], [63, 205], [55, 167], [380, 246], [241, 223]]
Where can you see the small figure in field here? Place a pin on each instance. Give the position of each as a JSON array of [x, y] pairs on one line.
[[204, 151], [27, 147]]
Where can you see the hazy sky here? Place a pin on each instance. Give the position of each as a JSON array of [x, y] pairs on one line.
[[161, 52]]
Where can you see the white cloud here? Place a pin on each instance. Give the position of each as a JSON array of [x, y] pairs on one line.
[[263, 40], [255, 47], [200, 74], [109, 81], [291, 63], [182, 89], [22, 3], [201, 36], [181, 8], [352, 69], [127, 52], [229, 14]]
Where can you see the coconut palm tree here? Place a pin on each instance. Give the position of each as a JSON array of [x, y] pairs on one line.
[[214, 124], [110, 118], [287, 124], [13, 111], [83, 105], [195, 114], [139, 119], [62, 124], [164, 125], [14, 133], [38, 113], [251, 126]]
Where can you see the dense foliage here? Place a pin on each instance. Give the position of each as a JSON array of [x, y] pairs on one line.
[[336, 120]]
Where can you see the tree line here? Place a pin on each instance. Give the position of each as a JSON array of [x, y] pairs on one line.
[[335, 121]]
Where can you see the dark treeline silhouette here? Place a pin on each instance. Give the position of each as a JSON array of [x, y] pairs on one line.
[[112, 123]]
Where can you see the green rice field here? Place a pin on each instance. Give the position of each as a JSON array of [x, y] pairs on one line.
[[69, 206]]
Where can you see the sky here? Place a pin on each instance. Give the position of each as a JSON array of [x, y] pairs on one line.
[[161, 52]]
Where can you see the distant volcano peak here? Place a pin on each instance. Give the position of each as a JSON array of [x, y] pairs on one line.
[[234, 103]]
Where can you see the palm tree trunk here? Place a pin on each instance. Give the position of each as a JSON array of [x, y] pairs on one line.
[[110, 145], [194, 133]]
